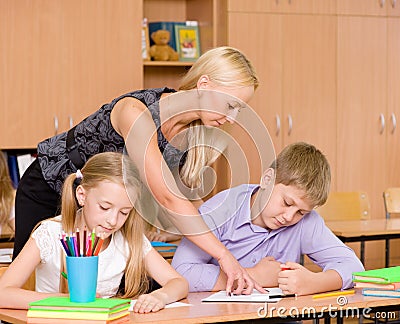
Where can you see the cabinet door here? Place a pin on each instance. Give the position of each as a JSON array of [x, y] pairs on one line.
[[259, 37], [63, 59], [393, 112], [284, 6], [31, 52], [393, 8], [362, 107], [362, 7], [309, 82], [295, 58], [101, 55]]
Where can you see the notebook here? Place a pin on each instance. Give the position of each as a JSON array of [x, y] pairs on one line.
[[382, 275], [381, 293]]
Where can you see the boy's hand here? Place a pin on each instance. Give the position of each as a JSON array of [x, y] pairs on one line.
[[266, 272], [296, 280]]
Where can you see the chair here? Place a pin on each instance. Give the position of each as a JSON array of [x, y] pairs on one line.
[[342, 205], [391, 200], [347, 205]]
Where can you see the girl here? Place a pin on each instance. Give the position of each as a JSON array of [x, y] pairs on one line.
[[95, 198], [7, 196], [139, 122]]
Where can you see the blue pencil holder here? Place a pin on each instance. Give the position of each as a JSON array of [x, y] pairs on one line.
[[82, 278]]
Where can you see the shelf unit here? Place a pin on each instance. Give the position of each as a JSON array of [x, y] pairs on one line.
[[211, 16]]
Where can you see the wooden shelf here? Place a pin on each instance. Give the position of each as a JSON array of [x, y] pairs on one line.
[[167, 63]]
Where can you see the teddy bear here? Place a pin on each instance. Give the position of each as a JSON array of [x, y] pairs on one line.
[[161, 51]]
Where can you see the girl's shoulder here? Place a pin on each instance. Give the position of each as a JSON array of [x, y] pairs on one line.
[[46, 237], [51, 225]]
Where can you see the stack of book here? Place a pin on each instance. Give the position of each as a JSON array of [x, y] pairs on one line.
[[62, 310], [384, 282]]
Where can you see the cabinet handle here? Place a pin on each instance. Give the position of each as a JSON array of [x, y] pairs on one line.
[[290, 124], [394, 122], [56, 125], [71, 121], [382, 3], [394, 3], [382, 120], [278, 124]]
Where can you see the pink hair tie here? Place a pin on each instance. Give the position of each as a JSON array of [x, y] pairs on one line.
[[78, 174]]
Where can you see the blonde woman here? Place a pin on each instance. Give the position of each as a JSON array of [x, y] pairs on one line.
[[162, 132], [96, 199], [7, 198]]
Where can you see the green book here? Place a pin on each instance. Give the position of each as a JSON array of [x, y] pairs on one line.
[[383, 275], [109, 305]]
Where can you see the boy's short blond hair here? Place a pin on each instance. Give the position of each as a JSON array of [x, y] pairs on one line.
[[304, 166]]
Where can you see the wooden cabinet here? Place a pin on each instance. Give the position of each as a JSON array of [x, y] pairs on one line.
[[61, 60], [369, 105], [393, 103], [295, 57]]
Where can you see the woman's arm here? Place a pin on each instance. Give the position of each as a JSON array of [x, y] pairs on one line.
[[131, 119], [174, 286], [11, 293]]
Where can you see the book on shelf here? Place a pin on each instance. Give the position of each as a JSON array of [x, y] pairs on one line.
[[62, 308], [6, 255], [381, 292], [166, 25], [382, 275], [17, 164], [187, 40], [145, 40], [13, 169], [391, 286]]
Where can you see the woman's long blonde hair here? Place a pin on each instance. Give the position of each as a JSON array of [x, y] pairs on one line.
[[225, 66], [117, 168], [7, 193]]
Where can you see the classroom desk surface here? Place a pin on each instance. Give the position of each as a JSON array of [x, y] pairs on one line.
[[367, 230], [225, 312]]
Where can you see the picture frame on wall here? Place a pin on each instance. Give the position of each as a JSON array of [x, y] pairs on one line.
[[187, 42]]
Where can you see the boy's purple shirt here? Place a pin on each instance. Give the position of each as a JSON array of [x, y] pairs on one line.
[[228, 216]]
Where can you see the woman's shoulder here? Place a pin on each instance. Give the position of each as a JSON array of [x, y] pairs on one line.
[[146, 96]]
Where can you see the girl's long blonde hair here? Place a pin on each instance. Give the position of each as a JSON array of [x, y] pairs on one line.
[[117, 168], [225, 66], [7, 194]]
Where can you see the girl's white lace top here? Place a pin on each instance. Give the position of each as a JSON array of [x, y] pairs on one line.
[[112, 260]]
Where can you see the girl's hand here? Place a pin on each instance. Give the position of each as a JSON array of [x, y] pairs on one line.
[[148, 303], [162, 236]]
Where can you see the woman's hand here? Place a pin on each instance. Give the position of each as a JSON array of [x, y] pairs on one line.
[[148, 303], [237, 274]]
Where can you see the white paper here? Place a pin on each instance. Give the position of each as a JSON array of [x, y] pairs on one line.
[[254, 297], [24, 161], [5, 259], [6, 251], [172, 305]]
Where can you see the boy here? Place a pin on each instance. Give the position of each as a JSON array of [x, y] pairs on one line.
[[267, 227]]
